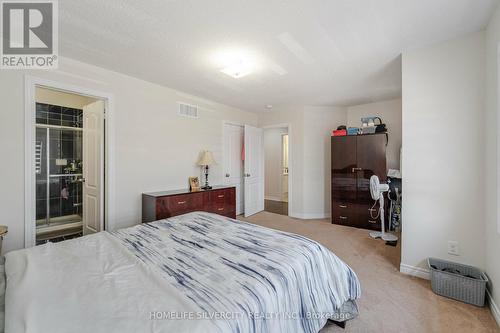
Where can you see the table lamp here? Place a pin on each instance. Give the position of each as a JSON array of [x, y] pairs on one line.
[[206, 160]]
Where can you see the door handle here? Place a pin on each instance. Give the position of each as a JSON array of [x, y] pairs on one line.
[[247, 175], [356, 169], [228, 175]]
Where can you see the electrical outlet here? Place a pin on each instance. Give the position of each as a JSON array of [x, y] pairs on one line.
[[453, 248]]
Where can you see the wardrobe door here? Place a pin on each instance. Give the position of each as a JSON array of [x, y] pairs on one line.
[[343, 177], [371, 160]]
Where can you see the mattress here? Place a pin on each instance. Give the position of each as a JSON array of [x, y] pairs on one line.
[[197, 272]]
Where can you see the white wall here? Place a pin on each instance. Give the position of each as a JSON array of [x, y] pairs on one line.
[[273, 156], [318, 125], [309, 136], [492, 185], [152, 147], [390, 113], [443, 158]]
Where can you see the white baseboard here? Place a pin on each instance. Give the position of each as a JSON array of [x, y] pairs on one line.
[[310, 216], [495, 311], [415, 271]]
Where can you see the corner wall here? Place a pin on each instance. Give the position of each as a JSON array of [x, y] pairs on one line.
[[390, 113], [492, 184], [443, 156]]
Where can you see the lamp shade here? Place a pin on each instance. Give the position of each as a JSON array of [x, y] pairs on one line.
[[207, 158]]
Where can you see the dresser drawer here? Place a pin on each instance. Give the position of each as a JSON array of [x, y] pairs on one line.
[[220, 196], [178, 204], [223, 202]]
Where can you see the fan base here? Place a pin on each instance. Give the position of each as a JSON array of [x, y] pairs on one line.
[[385, 236]]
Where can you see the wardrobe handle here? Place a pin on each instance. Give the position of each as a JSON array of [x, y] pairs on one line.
[[343, 217], [372, 221], [356, 169], [343, 206]]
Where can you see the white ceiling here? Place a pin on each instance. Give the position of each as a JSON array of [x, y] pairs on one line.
[[310, 52]]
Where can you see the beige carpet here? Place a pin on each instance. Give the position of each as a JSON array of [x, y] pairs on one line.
[[390, 301]]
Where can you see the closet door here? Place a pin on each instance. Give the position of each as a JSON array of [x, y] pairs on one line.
[[254, 170], [233, 162]]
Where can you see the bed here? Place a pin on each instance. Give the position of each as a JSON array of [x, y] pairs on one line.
[[197, 272]]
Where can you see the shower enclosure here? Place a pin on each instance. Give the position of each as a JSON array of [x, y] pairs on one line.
[[58, 170]]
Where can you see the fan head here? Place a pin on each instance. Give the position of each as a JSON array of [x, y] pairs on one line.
[[376, 188]]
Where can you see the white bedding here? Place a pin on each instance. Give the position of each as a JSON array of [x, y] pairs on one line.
[[116, 291], [132, 279]]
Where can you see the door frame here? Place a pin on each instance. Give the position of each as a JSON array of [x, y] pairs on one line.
[[288, 126], [282, 160], [30, 85]]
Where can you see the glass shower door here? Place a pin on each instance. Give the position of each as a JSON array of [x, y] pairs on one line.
[[58, 172]]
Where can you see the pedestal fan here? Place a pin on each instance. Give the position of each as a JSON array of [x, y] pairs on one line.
[[377, 190]]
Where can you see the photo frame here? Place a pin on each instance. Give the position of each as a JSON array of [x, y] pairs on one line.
[[194, 184]]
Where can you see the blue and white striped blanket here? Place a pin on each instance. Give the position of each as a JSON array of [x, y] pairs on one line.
[[244, 277]]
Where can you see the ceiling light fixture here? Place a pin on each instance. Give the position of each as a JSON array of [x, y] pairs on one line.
[[235, 63]]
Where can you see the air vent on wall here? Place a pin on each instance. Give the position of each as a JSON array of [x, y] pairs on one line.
[[188, 110]]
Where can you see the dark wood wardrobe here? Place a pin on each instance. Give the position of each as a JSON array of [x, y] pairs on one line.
[[354, 160]]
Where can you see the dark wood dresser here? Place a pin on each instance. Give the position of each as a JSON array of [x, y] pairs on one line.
[[160, 205], [354, 160]]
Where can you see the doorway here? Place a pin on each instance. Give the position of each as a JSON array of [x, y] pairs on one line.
[[67, 196], [276, 161]]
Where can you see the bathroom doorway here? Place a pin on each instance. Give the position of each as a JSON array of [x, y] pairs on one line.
[[276, 160], [68, 165]]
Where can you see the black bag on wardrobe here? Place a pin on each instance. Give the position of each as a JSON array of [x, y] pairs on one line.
[[380, 128]]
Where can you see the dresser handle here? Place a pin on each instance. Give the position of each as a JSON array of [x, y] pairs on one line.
[[343, 217], [181, 202], [372, 221], [343, 206], [220, 209], [220, 196]]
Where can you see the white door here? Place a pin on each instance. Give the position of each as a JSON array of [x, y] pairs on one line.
[[254, 170], [233, 161], [93, 167]]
